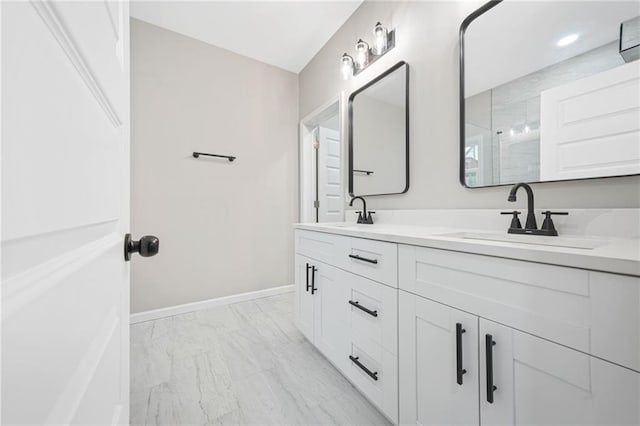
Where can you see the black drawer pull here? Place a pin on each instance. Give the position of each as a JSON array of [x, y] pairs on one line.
[[460, 371], [313, 280], [364, 259], [373, 375], [308, 286], [489, 343], [362, 308]]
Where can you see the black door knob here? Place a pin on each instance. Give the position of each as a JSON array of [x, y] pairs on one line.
[[147, 246]]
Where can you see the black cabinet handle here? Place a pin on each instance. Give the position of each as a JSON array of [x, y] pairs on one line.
[[460, 371], [313, 280], [362, 308], [489, 343], [308, 286], [364, 259], [373, 375]]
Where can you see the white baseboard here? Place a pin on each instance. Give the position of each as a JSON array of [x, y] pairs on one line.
[[206, 304]]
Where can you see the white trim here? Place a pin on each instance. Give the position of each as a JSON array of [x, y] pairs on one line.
[[306, 155], [170, 311], [63, 36], [27, 286]]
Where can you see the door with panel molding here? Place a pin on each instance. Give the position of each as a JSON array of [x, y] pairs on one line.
[[330, 192], [591, 127], [65, 211]]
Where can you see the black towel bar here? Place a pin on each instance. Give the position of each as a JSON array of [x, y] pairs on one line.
[[367, 172], [228, 157]]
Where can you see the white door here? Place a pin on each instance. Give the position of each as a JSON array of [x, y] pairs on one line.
[[438, 363], [65, 211], [542, 383], [304, 297], [329, 189], [591, 126]]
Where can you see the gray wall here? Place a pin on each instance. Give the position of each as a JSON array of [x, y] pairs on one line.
[[427, 38], [224, 228]]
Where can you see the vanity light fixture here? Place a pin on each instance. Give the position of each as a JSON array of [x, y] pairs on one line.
[[346, 66], [384, 40], [362, 54], [567, 40], [379, 39]]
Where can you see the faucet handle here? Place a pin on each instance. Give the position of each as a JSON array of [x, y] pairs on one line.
[[360, 218], [515, 221], [547, 224], [369, 219]]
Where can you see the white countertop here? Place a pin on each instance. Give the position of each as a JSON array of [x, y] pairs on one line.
[[614, 255]]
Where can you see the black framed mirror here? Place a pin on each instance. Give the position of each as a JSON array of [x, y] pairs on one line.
[[379, 134], [549, 92]]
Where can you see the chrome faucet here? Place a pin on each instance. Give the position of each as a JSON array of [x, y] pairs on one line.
[[363, 216]]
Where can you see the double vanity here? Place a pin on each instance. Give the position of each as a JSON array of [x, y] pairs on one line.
[[455, 317], [447, 326]]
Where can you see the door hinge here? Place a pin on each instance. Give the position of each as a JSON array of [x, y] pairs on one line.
[[316, 204]]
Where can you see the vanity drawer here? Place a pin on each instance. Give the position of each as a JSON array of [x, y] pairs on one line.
[[376, 260], [374, 371], [321, 246], [373, 313], [594, 312]]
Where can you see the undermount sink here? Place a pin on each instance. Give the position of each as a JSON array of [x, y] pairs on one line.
[[345, 225], [570, 242]]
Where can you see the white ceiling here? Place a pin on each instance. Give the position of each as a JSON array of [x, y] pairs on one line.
[[286, 34], [516, 38]]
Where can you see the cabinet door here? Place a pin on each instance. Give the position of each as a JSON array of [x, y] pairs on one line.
[[330, 329], [431, 337], [304, 298], [538, 382]]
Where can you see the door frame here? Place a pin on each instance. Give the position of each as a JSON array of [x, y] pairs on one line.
[[307, 155]]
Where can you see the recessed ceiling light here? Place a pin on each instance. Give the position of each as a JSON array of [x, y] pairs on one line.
[[565, 41]]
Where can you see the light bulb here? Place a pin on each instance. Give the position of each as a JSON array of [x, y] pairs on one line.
[[512, 132], [526, 129], [362, 53], [379, 39], [346, 67]]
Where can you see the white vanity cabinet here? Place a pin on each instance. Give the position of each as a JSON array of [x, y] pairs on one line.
[[349, 317], [538, 352], [492, 374], [427, 333]]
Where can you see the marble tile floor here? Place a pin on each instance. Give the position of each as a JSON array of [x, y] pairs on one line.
[[240, 364]]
